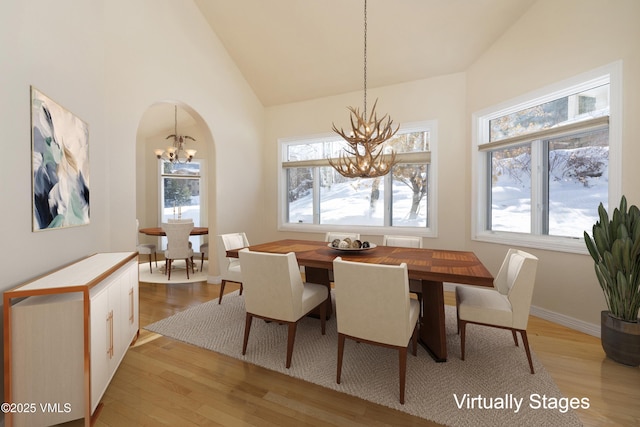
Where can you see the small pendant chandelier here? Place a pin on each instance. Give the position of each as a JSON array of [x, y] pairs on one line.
[[177, 152], [363, 157]]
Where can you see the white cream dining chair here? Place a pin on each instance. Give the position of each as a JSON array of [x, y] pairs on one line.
[[204, 253], [373, 306], [182, 221], [229, 267], [415, 286], [274, 291], [402, 241], [506, 305], [145, 248], [178, 245]]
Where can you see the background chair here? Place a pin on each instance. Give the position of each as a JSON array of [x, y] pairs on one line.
[[204, 253], [230, 267], [182, 221], [505, 306], [145, 248], [373, 306], [178, 245], [274, 291], [415, 286], [332, 235], [402, 241]]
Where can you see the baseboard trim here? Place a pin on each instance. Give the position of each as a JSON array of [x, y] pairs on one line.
[[551, 316], [569, 322]]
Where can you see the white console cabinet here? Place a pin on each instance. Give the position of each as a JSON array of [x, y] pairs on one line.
[[65, 334]]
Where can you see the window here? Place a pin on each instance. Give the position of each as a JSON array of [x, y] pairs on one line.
[[544, 163], [180, 187], [315, 197]]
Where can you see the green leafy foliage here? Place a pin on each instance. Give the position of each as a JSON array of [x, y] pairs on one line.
[[615, 249]]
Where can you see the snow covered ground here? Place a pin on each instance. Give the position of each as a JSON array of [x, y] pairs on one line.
[[572, 204]]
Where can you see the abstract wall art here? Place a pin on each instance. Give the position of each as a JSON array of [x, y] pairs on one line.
[[60, 165]]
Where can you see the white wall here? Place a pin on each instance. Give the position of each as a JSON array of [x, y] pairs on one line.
[[40, 46], [441, 99], [553, 41], [164, 50], [107, 62]]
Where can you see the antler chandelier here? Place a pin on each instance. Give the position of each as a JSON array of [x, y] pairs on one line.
[[177, 152], [364, 157]]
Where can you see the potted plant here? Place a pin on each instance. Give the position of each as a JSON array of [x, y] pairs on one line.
[[615, 248]]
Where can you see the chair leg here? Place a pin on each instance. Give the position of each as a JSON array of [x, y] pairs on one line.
[[150, 266], [193, 266], [224, 282], [222, 285], [462, 326], [201, 261], [155, 255], [323, 316], [414, 339], [290, 340], [457, 314], [525, 341], [515, 337], [402, 356], [247, 329], [341, 339], [169, 269], [186, 262]]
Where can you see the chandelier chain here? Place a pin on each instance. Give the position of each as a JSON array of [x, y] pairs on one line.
[[175, 120], [365, 58], [365, 156]]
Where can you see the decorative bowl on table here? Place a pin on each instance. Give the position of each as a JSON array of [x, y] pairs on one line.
[[348, 245]]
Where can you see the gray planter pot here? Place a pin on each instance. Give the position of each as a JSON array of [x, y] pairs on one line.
[[620, 339]]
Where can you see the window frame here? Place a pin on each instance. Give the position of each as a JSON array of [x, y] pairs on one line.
[[430, 231], [611, 74], [201, 177]]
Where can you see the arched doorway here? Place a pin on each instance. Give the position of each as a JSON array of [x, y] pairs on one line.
[[167, 190]]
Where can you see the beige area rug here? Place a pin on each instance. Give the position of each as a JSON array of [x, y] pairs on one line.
[[178, 272], [495, 372]]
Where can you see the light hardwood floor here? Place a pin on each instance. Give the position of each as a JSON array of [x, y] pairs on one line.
[[166, 382]]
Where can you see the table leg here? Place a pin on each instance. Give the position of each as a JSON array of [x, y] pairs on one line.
[[432, 330], [321, 277]]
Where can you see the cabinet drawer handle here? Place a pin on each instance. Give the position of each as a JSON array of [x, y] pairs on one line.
[[110, 326], [131, 314]]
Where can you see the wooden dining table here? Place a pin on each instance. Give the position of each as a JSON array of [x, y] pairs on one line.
[[432, 267], [158, 231]]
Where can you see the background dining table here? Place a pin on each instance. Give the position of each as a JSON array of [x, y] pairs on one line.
[[158, 231]]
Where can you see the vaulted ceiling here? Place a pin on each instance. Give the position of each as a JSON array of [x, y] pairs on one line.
[[294, 50]]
